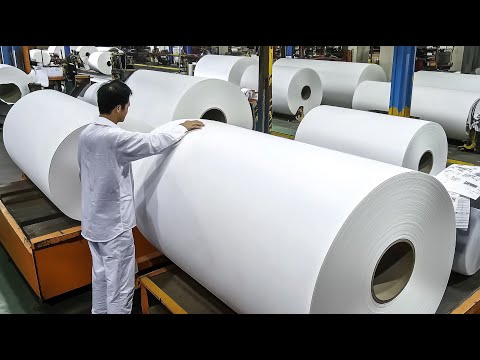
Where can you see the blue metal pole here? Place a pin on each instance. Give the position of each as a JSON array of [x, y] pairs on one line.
[[402, 80], [17, 56], [67, 51], [188, 49], [289, 51], [7, 55]]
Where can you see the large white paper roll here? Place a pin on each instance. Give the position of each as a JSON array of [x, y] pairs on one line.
[[446, 80], [349, 220], [85, 51], [90, 95], [449, 108], [291, 88], [467, 251], [101, 61], [107, 48], [59, 50], [224, 67], [41, 57], [339, 79], [159, 97], [414, 144], [13, 84], [41, 136]]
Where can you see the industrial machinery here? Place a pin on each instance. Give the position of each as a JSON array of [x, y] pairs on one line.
[[74, 83], [161, 56], [139, 54], [473, 130], [75, 59], [239, 51], [122, 65]]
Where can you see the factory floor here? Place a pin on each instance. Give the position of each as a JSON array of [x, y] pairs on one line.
[[16, 297]]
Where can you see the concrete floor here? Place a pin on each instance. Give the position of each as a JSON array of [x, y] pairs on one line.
[[16, 297]]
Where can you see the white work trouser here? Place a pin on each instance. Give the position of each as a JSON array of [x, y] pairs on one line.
[[113, 274]]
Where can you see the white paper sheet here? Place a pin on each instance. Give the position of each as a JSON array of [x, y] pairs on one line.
[[461, 205], [461, 179], [42, 76]]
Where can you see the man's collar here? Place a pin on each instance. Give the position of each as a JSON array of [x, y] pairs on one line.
[[104, 121]]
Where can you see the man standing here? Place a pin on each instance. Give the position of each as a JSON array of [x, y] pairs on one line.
[[105, 152]]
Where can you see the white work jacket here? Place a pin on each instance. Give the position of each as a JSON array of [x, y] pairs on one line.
[[105, 152]]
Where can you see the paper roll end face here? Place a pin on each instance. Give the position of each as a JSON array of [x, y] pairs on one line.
[[422, 241], [64, 176], [39, 161], [428, 147], [226, 103]]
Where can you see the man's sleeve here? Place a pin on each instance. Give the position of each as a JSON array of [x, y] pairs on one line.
[[131, 146]]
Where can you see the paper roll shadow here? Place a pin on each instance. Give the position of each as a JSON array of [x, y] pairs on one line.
[[467, 251]]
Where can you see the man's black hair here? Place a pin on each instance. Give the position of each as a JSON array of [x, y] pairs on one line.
[[111, 94]]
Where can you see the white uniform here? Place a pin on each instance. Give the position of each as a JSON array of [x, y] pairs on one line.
[[105, 152]]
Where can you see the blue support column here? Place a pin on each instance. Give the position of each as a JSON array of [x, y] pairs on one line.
[[188, 49], [17, 56], [66, 51], [402, 80], [7, 55], [289, 51]]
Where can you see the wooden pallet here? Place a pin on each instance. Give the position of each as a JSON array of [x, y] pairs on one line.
[[470, 305], [46, 245], [178, 293]]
